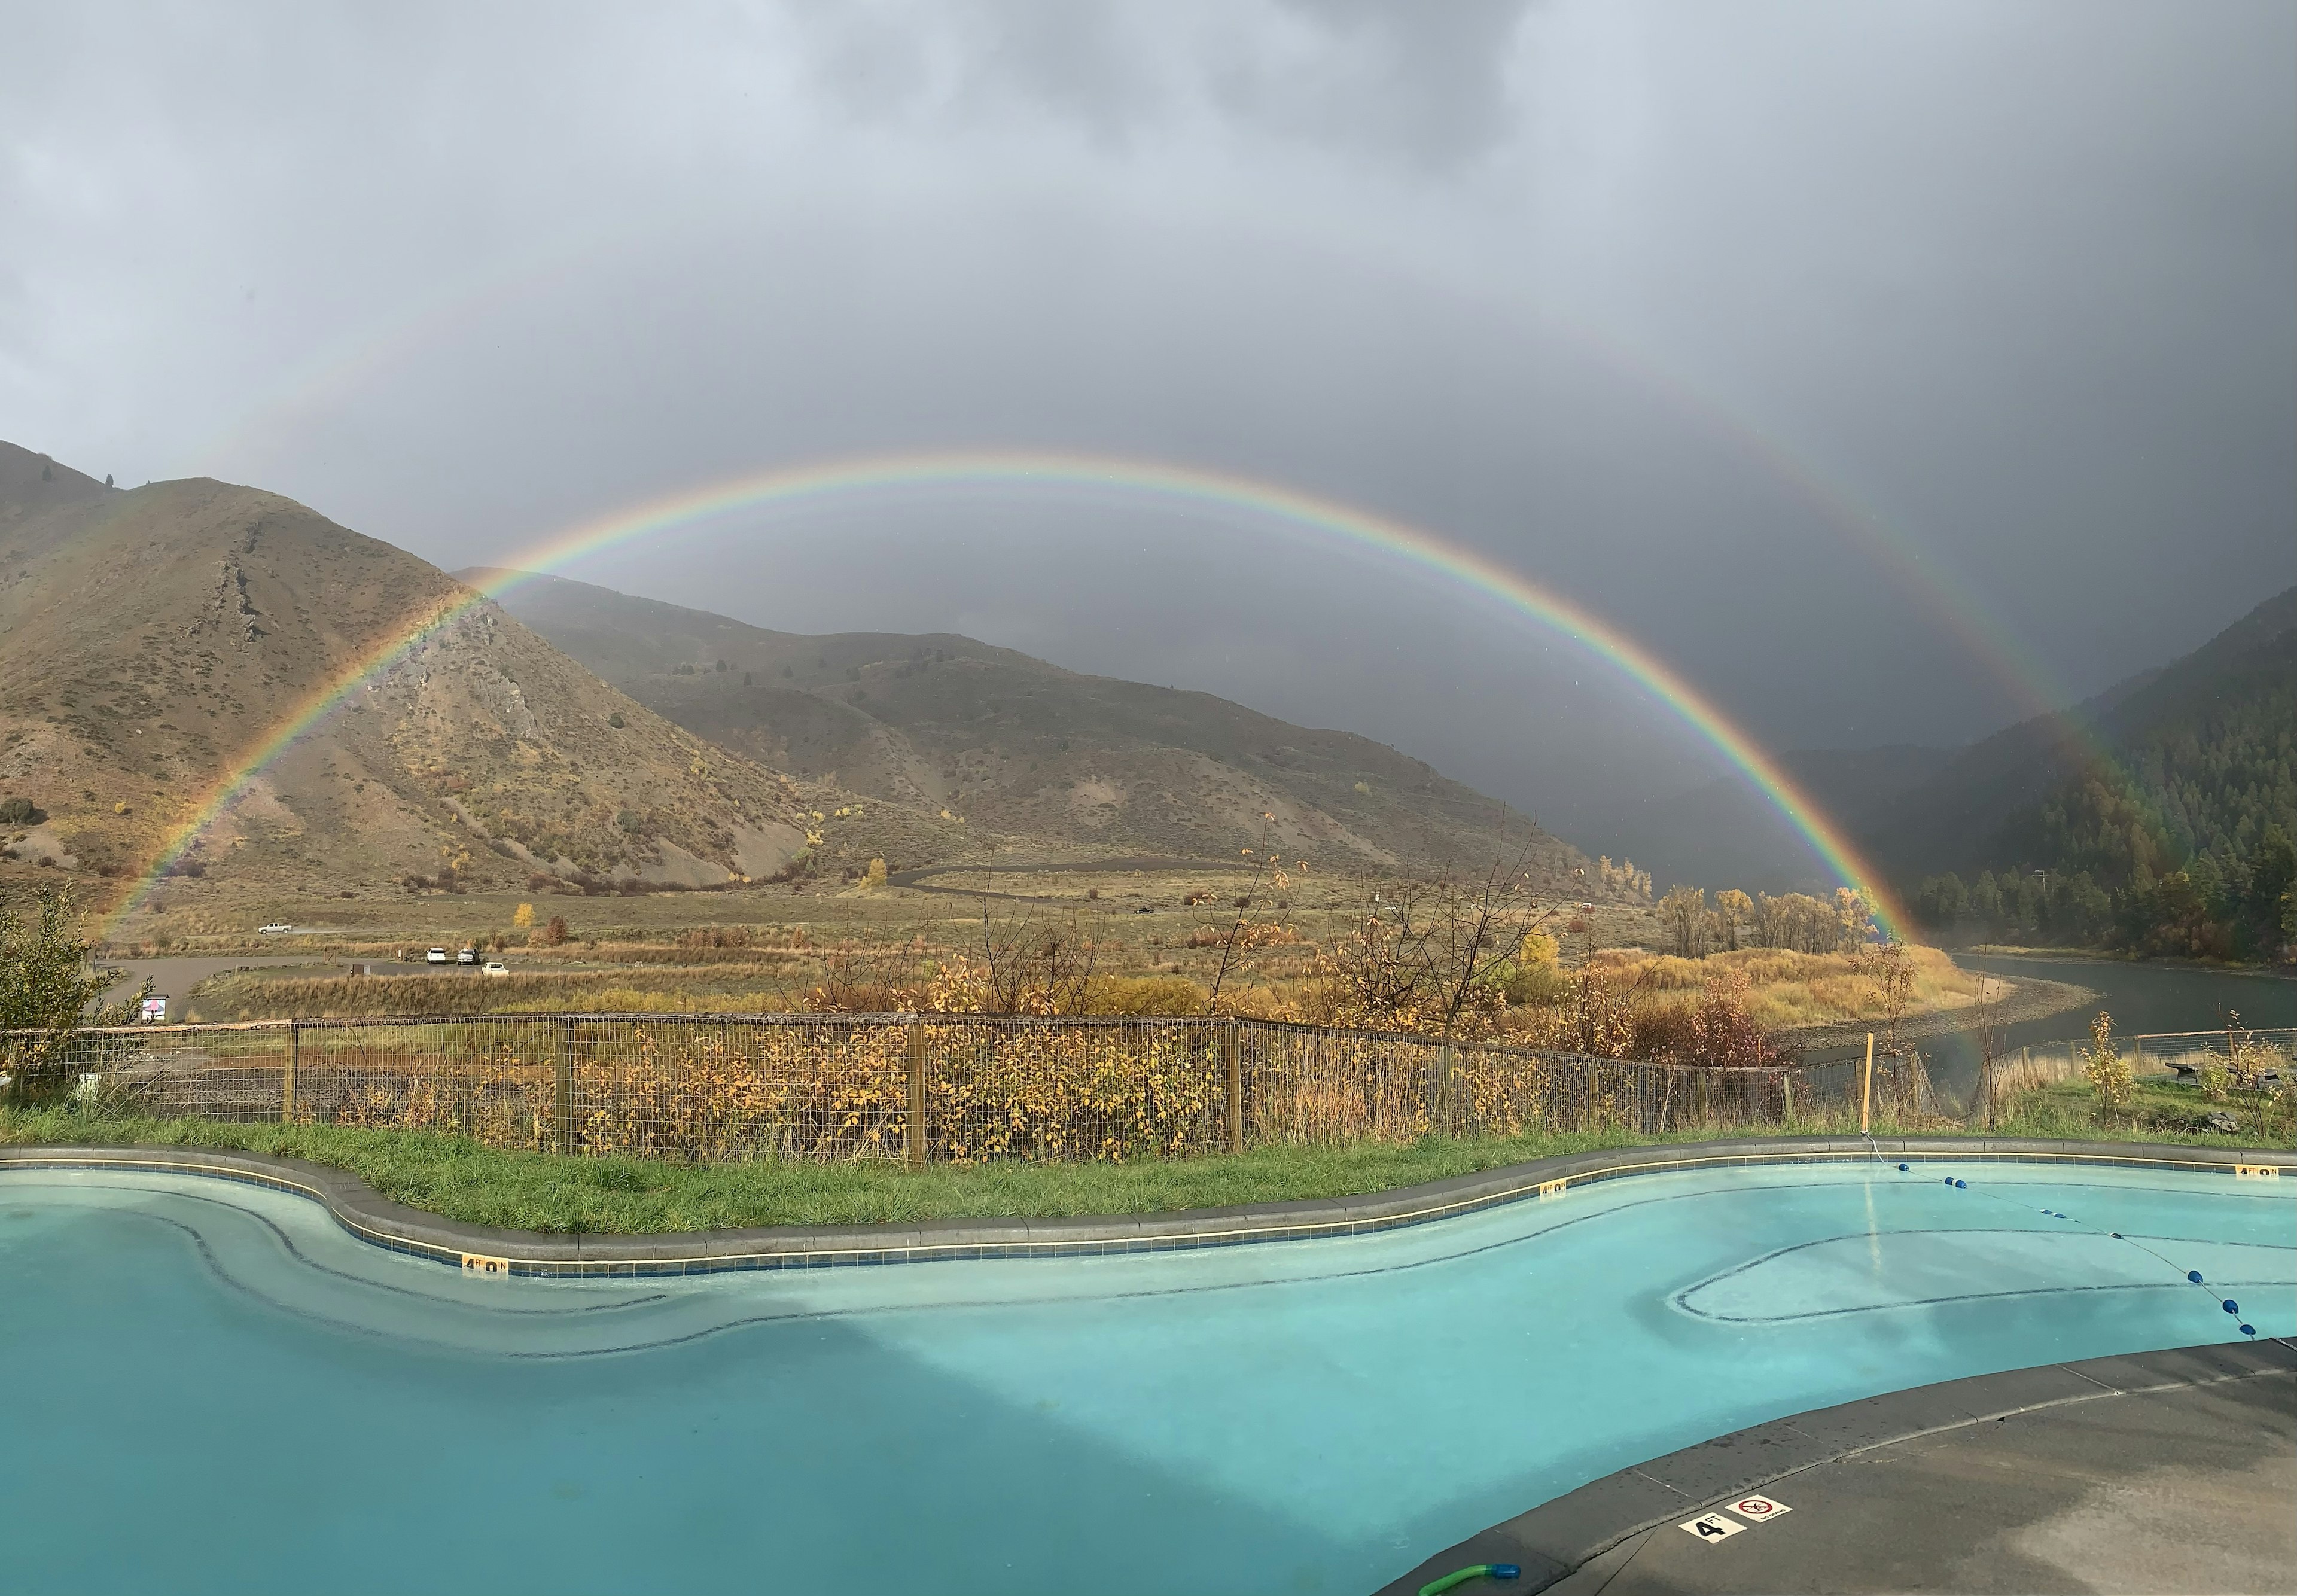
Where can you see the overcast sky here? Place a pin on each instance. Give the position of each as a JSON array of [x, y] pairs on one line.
[[1888, 368]]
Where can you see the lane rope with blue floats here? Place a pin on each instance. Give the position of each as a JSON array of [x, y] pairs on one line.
[[2193, 1277]]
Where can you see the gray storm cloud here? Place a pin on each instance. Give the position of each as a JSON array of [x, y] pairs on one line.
[[1888, 369]]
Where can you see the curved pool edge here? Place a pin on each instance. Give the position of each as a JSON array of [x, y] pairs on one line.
[[487, 1249], [1557, 1538]]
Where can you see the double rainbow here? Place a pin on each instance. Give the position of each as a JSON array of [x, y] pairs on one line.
[[1184, 488]]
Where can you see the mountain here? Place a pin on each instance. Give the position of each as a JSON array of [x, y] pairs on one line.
[[2198, 750], [1024, 750], [2161, 818], [152, 641], [1726, 834], [2186, 765]]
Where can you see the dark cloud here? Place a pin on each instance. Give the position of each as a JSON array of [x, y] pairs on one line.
[[1430, 83], [1883, 368]]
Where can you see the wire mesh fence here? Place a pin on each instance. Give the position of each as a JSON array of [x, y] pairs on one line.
[[957, 1089], [2183, 1052]]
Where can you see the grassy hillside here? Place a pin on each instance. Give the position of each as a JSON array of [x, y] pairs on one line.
[[152, 641], [1020, 748]]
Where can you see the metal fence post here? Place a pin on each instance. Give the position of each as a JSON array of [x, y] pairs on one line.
[[1232, 1081], [562, 1096], [1444, 1087], [1866, 1087], [287, 1076], [916, 1147]]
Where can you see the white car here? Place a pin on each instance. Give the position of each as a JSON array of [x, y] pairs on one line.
[[438, 956], [274, 930], [494, 966]]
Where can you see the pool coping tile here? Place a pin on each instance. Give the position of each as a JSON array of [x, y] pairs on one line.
[[1737, 1462], [1578, 1524], [400, 1229], [2136, 1372]]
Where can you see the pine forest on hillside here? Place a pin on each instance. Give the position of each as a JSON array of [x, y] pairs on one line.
[[2180, 846]]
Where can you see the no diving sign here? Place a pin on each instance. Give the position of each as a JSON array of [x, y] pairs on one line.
[[1721, 1525]]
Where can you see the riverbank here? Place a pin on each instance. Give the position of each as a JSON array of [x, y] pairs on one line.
[[2022, 1001], [2151, 961]]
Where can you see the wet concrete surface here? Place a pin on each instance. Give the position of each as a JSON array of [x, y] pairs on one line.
[[2191, 1490], [2171, 1471]]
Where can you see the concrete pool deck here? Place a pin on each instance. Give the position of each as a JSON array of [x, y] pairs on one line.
[[2167, 1471]]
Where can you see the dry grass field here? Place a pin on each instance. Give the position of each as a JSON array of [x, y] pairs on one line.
[[1787, 990], [1149, 940]]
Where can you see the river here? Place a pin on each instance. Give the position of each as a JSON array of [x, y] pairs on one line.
[[2142, 999]]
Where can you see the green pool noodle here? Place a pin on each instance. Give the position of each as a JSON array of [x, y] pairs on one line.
[[1437, 1587]]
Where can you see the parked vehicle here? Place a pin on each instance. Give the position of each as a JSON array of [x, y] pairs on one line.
[[437, 956], [494, 966], [467, 956]]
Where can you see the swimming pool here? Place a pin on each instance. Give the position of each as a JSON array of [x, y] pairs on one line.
[[212, 1386]]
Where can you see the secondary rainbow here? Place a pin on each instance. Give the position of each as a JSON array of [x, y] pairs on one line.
[[1182, 487]]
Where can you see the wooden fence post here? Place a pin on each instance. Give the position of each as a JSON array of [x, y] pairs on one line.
[[916, 1147], [1232, 1081], [563, 1089], [287, 1076]]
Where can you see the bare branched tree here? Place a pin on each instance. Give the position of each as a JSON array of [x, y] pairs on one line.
[[1381, 966], [1476, 927], [1035, 962], [858, 978], [1421, 955], [1234, 945]]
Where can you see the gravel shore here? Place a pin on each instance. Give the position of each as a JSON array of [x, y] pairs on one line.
[[2021, 999]]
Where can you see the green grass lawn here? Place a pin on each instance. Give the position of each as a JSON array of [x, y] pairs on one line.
[[2161, 1109], [543, 1191]]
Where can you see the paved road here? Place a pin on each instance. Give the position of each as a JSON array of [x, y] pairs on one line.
[[175, 978], [922, 878]]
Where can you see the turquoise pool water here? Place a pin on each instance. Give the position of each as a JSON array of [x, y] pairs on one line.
[[211, 1387]]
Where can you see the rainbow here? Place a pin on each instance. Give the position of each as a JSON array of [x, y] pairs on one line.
[[337, 368], [1187, 487]]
